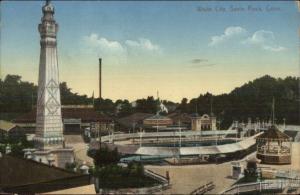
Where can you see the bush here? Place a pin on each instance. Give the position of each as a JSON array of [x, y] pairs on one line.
[[105, 157], [251, 172], [71, 166]]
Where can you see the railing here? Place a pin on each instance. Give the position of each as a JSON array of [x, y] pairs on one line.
[[261, 186], [146, 190], [203, 189], [274, 154], [124, 136], [156, 176]]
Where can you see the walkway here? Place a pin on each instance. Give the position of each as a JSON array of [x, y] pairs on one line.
[[80, 148], [185, 179]]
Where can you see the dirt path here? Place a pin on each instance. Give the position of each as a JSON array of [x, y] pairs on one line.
[[80, 148], [184, 179]]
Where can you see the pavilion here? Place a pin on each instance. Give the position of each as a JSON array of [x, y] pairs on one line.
[[274, 147]]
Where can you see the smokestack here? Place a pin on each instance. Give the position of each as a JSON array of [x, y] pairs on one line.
[[100, 78]]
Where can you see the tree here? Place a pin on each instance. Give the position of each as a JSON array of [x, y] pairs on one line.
[[125, 108], [105, 106], [104, 157], [183, 107], [149, 105], [250, 172]]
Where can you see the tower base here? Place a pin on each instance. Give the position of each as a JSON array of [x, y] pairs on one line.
[[58, 157]]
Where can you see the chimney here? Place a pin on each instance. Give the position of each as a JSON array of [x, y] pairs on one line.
[[100, 79]]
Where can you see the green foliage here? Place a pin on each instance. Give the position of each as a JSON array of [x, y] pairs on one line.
[[16, 95], [17, 144], [114, 176], [253, 99], [71, 166], [105, 106], [70, 98], [183, 107], [104, 157], [125, 108], [149, 105], [250, 172]]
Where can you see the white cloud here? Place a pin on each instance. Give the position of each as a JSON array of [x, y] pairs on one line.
[[142, 43], [229, 33], [265, 40], [94, 41]]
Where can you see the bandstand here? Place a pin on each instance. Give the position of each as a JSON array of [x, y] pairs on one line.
[[274, 147]]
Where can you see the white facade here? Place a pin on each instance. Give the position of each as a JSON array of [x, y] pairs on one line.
[[204, 122]]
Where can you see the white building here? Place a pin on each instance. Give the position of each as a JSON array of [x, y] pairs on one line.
[[204, 122]]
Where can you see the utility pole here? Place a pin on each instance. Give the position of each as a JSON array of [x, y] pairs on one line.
[[99, 135], [100, 78], [179, 133], [273, 111]]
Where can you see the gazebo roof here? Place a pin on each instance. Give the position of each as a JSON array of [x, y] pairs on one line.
[[273, 133]]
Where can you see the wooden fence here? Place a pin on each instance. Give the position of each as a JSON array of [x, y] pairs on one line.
[[204, 188]]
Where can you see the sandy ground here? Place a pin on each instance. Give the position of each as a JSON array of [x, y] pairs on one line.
[[185, 179], [80, 148], [296, 156]]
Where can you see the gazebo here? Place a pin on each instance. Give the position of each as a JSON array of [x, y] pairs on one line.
[[274, 147]]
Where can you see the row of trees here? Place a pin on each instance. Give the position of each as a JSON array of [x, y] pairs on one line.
[[19, 96], [253, 99]]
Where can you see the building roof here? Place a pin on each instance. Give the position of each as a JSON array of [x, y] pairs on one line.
[[88, 189], [86, 114], [194, 115], [182, 117], [6, 126], [136, 118], [273, 133], [158, 117], [19, 175]]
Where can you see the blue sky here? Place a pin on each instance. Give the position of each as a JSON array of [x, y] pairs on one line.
[[181, 49]]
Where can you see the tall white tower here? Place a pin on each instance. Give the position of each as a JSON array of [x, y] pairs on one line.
[[49, 127]]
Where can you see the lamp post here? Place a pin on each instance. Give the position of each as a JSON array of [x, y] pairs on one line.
[[141, 135], [157, 129], [179, 134], [99, 134]]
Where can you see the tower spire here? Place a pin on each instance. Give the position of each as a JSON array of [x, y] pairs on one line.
[[48, 2]]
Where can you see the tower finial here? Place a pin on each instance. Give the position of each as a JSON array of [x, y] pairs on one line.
[[47, 2]]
